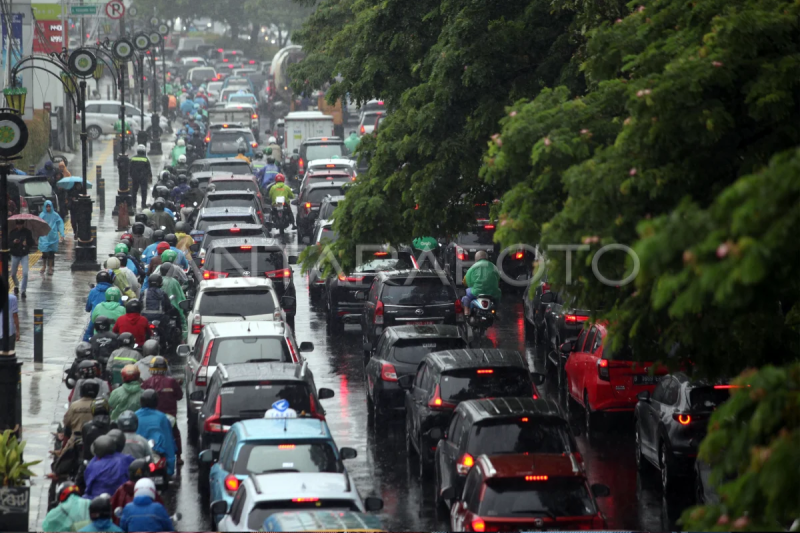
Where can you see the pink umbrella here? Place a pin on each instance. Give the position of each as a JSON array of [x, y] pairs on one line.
[[37, 226]]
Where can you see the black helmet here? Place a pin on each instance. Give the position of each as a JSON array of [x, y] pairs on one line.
[[123, 259], [158, 235], [104, 276], [102, 323], [194, 183], [149, 398], [182, 227], [163, 190], [100, 508], [140, 217], [181, 178], [150, 348], [88, 369], [159, 203], [158, 366], [138, 227], [165, 175], [104, 446], [133, 306], [165, 269], [242, 149], [65, 489], [155, 280], [119, 438], [127, 339], [100, 407], [128, 421], [90, 389], [171, 239], [83, 350], [138, 469]]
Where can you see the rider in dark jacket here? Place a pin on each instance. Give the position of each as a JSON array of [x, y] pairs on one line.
[[108, 470], [99, 425], [169, 392], [104, 341], [156, 304]]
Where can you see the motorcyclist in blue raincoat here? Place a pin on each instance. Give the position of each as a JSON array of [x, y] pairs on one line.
[[108, 470], [154, 425], [180, 189], [151, 251], [144, 513], [187, 106], [98, 295], [266, 175]]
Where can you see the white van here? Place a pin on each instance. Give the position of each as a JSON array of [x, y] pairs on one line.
[[301, 125], [102, 114]]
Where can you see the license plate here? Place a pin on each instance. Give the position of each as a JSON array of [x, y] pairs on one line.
[[646, 380], [158, 480]]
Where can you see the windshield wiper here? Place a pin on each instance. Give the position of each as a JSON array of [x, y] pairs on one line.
[[277, 470]]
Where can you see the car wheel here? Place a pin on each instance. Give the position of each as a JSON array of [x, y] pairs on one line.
[[364, 340], [667, 479], [591, 418], [638, 443], [94, 132]]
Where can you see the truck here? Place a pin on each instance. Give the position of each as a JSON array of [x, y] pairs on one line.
[[301, 125], [280, 94]]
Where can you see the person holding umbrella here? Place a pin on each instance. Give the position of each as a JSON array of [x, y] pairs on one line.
[[72, 204], [21, 243], [48, 244]]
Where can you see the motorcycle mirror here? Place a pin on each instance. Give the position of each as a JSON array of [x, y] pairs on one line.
[[118, 512], [151, 442]]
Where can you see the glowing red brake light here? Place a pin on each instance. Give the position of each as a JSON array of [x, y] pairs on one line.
[[224, 60], [283, 273], [381, 254], [602, 363], [286, 446], [245, 247], [575, 318], [464, 464], [208, 138], [363, 130], [388, 372], [489, 226], [231, 483], [252, 61], [219, 49], [254, 115], [682, 419], [519, 255], [308, 205], [437, 403], [235, 230], [485, 371], [210, 274], [725, 387], [303, 500], [524, 419], [535, 478], [461, 254], [330, 166], [478, 525]]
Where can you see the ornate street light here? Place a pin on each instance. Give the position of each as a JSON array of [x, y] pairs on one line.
[[69, 83], [15, 98]]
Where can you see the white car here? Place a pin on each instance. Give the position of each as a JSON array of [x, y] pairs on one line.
[[193, 61], [232, 299], [368, 118], [348, 165], [102, 114], [260, 496]]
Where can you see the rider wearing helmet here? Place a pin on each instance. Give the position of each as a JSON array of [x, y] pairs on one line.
[[144, 513], [185, 240], [142, 235], [242, 153], [177, 151], [156, 305], [169, 392], [152, 250], [107, 470], [137, 470], [281, 189], [154, 425], [110, 309], [266, 176], [276, 148], [100, 511], [126, 397], [180, 189], [122, 356], [160, 219], [90, 370], [80, 411], [192, 198], [135, 445], [124, 248], [481, 278], [150, 349], [99, 425], [183, 165], [97, 295], [122, 278], [83, 351], [72, 511], [104, 341], [141, 174], [133, 322]]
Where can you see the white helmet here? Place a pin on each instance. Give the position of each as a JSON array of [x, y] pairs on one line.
[[145, 487], [112, 263], [272, 139], [181, 142], [181, 159], [141, 149]]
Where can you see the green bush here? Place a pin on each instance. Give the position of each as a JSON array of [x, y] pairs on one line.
[[38, 140]]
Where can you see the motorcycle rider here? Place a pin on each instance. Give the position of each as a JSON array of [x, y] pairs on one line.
[[178, 150], [172, 285], [135, 445], [161, 219], [126, 397], [281, 189], [80, 411], [266, 176], [97, 294], [156, 305], [183, 166], [150, 349], [133, 322], [72, 512], [164, 180], [144, 513], [277, 150], [123, 278], [142, 234], [241, 151], [89, 370], [482, 278], [152, 250], [185, 240], [193, 196], [107, 470], [170, 393], [104, 341], [154, 425], [124, 267], [99, 425], [121, 357], [83, 352], [100, 514], [180, 189], [124, 495], [124, 248], [172, 240], [110, 308], [141, 174]]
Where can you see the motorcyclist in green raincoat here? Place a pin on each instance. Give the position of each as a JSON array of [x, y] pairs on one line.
[[173, 289]]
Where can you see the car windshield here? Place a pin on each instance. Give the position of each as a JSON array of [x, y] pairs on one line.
[[227, 234], [327, 234], [214, 86], [420, 291], [519, 435], [234, 302], [414, 351], [204, 223], [481, 237], [243, 349], [252, 400], [234, 185], [231, 167], [227, 142], [263, 510], [707, 398], [305, 457], [324, 151], [382, 263], [315, 196], [229, 201], [240, 260], [517, 498], [474, 383], [244, 98], [37, 188]]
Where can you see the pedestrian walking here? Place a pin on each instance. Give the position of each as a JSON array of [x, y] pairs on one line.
[[13, 324], [21, 243], [48, 244]]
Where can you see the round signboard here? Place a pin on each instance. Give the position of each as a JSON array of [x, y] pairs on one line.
[[82, 63], [122, 49], [115, 9], [154, 21], [132, 11], [13, 134], [163, 29], [141, 41], [155, 38]]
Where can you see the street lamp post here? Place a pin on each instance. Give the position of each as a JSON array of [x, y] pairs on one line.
[[142, 43], [123, 51], [156, 41]]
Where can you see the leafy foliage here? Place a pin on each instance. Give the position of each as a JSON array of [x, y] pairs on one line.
[[13, 471]]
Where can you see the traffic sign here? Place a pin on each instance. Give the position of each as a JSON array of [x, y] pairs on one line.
[[83, 11], [115, 9], [132, 11]]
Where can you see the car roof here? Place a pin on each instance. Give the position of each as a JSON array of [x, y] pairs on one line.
[[342, 161], [483, 409], [425, 273], [233, 283], [230, 225], [322, 185], [209, 212], [285, 485], [235, 177], [426, 332], [232, 193], [331, 139], [474, 357], [247, 328], [244, 372], [537, 464], [250, 241], [264, 429]]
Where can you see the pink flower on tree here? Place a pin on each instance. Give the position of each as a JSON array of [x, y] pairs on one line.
[[716, 64], [547, 141], [632, 172], [722, 250]]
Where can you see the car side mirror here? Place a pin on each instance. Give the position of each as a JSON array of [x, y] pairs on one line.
[[373, 504], [325, 394], [361, 296], [206, 456], [348, 453], [292, 259], [306, 347], [600, 491], [194, 248], [436, 434], [449, 494], [644, 396], [288, 301], [219, 507], [183, 350], [548, 298], [566, 348], [294, 202], [197, 396], [406, 382], [538, 378], [185, 305]]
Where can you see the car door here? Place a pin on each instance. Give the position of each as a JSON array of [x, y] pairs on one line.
[[134, 115], [575, 367], [207, 410], [238, 517], [219, 470], [368, 311], [374, 363], [666, 408], [469, 500], [109, 114], [93, 116], [419, 394], [648, 417], [193, 363], [448, 452]]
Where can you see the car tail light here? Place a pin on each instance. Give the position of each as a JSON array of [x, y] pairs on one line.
[[254, 144], [255, 115], [208, 138], [224, 60], [535, 478], [725, 387], [213, 423], [301, 164], [523, 419], [308, 205], [245, 248], [23, 206], [388, 372], [220, 50], [459, 311], [461, 254], [303, 500], [519, 255], [211, 274], [235, 230], [602, 370], [378, 314], [545, 287], [286, 446], [465, 464], [682, 419], [485, 371], [573, 319], [197, 324], [231, 483], [478, 525], [275, 274], [489, 226], [437, 403], [202, 373], [351, 279], [363, 130]]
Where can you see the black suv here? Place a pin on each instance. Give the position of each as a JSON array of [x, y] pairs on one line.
[[308, 203], [398, 353], [221, 165], [495, 426], [341, 304], [242, 198], [253, 257], [444, 379], [247, 390], [320, 148], [563, 320], [459, 255], [407, 297]]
